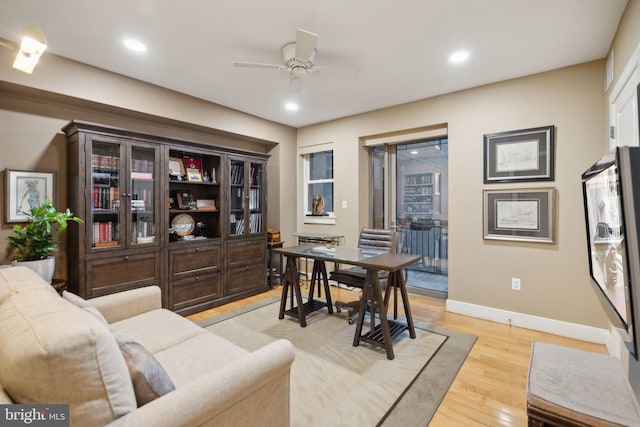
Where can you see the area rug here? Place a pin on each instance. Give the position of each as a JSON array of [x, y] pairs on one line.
[[334, 383]]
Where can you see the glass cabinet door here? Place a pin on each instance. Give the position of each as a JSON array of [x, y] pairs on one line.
[[142, 194], [255, 198], [105, 194], [237, 197], [246, 197]]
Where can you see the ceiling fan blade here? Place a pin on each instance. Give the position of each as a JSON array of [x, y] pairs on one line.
[[336, 72], [259, 65], [305, 44]]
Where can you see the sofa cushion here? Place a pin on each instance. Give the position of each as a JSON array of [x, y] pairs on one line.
[[158, 329], [54, 352], [186, 361], [149, 378], [20, 279], [83, 304]]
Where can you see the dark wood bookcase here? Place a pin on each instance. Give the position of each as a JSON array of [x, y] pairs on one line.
[[182, 215]]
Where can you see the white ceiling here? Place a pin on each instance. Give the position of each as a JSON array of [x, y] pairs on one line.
[[401, 47]]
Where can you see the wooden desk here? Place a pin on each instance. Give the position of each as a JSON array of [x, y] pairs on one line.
[[380, 334]]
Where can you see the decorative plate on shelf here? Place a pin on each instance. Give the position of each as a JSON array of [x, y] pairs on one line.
[[183, 224]]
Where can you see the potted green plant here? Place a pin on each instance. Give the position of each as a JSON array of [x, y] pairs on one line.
[[34, 241]]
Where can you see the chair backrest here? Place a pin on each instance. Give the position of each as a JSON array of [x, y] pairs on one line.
[[378, 239]]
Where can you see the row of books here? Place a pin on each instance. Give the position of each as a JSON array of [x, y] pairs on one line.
[[419, 179], [143, 228], [237, 223], [418, 190], [105, 233], [108, 198], [237, 174], [142, 166], [254, 198], [102, 163], [256, 175], [255, 222]]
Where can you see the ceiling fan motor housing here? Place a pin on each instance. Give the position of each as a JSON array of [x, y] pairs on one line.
[[297, 65]]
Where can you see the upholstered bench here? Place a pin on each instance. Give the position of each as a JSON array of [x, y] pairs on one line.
[[568, 387]]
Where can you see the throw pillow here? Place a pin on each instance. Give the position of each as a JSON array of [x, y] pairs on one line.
[[85, 305], [149, 378], [53, 352]]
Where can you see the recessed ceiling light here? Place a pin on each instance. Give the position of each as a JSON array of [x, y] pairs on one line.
[[459, 56], [135, 45], [291, 106], [414, 152]]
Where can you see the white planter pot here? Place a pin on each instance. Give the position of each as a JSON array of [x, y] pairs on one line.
[[44, 267]]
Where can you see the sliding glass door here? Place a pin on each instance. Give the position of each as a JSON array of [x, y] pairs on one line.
[[410, 193]]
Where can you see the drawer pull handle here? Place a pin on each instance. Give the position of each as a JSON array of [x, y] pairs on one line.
[[197, 249], [126, 258], [197, 277]]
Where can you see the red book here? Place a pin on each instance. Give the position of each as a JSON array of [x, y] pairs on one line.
[[104, 232], [95, 197]]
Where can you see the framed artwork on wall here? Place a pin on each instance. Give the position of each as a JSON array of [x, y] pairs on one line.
[[25, 190], [519, 155], [520, 215]]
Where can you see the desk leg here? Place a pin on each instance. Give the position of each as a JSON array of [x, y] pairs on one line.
[[314, 279], [270, 269], [399, 280], [320, 273], [373, 295], [322, 270], [286, 284], [292, 280], [392, 286]]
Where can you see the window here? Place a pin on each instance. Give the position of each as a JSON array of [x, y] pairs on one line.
[[318, 177]]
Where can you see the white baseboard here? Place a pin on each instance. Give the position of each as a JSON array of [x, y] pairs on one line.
[[536, 323]]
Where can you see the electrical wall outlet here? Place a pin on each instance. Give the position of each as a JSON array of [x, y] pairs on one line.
[[515, 284], [344, 204]]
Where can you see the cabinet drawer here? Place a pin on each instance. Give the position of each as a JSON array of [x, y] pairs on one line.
[[195, 260], [246, 278], [247, 252], [119, 273], [195, 290]]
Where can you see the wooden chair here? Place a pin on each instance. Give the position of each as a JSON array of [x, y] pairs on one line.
[[374, 239]]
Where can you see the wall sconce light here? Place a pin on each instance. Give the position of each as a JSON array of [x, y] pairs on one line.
[[32, 47]]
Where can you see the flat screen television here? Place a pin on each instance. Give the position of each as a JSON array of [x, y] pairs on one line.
[[611, 193]]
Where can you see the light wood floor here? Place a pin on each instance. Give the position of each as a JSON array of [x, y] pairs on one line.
[[489, 390]]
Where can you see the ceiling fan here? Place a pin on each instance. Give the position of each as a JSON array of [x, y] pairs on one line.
[[299, 60]]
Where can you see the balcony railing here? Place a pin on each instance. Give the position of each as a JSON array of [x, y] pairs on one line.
[[431, 242]]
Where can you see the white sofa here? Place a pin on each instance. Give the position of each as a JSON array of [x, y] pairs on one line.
[[56, 351]]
